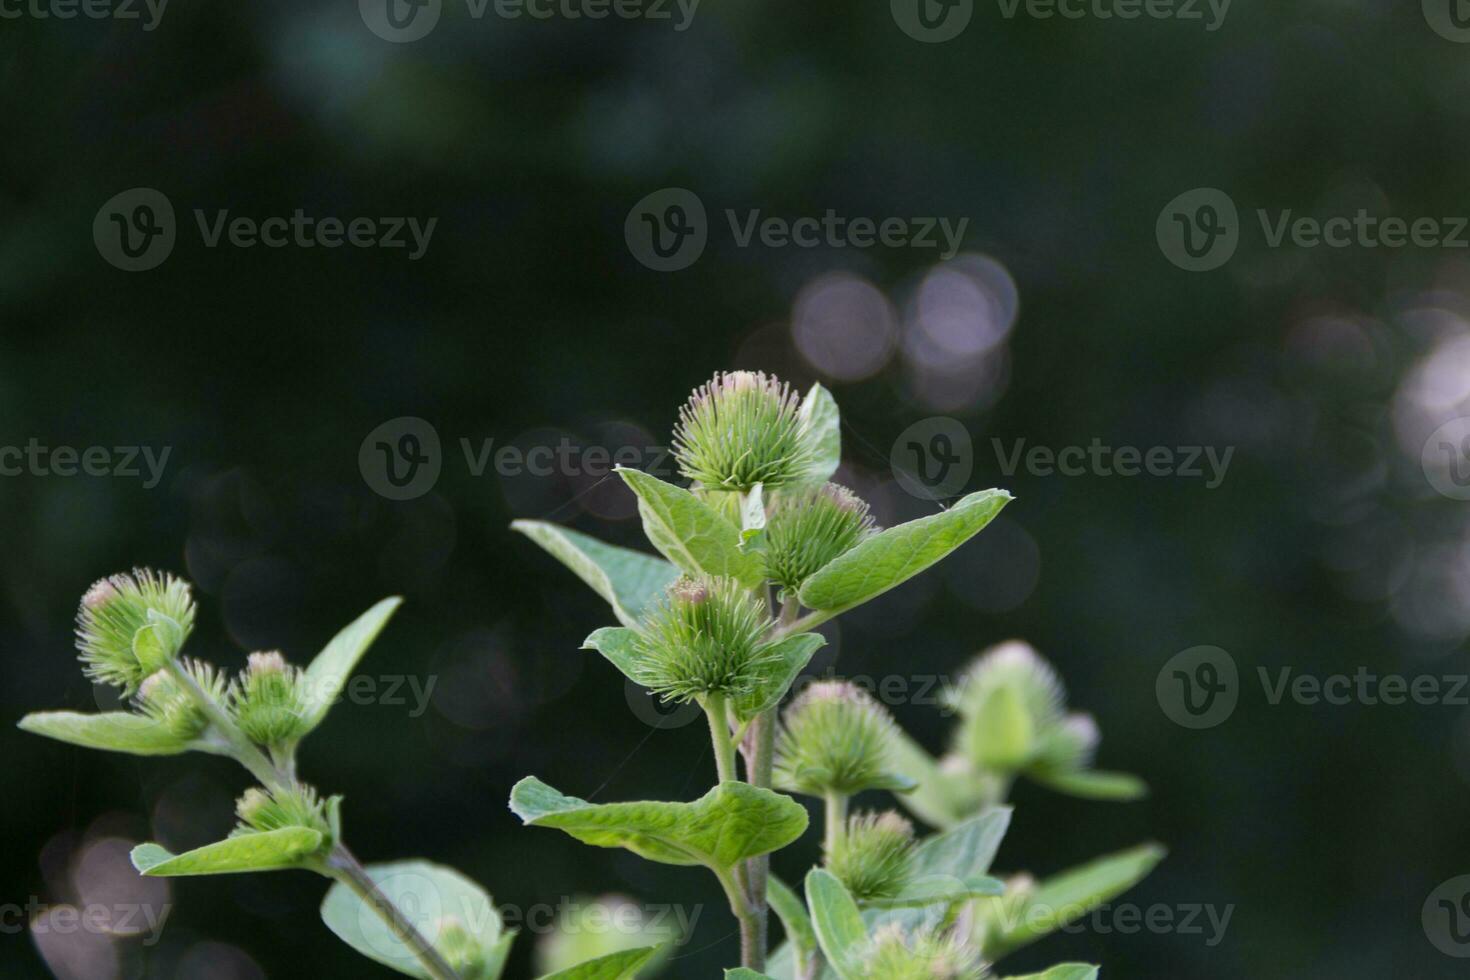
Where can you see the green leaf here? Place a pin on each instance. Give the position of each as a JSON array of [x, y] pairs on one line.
[[967, 849], [619, 645], [1066, 971], [1002, 733], [822, 421], [429, 895], [1094, 784], [837, 923], [894, 556], [689, 533], [730, 823], [615, 966], [793, 915], [792, 655], [273, 850], [940, 889], [629, 580], [1065, 898], [113, 731], [744, 973], [329, 670], [942, 798]]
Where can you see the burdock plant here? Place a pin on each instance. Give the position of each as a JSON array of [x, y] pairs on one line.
[[757, 551]]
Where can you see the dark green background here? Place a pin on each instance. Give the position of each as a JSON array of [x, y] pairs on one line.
[[1324, 549]]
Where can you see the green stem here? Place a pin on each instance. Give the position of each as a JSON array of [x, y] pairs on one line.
[[719, 732], [344, 867], [340, 864], [750, 925], [836, 820]]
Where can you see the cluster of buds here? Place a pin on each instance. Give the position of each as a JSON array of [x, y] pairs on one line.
[[162, 698], [261, 811], [873, 856], [1013, 708], [924, 954], [741, 429], [268, 700], [704, 638], [130, 626], [808, 528], [835, 739]]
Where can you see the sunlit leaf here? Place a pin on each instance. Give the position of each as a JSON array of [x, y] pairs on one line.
[[629, 580]]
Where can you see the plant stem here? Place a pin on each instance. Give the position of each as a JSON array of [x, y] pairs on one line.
[[750, 926], [344, 867], [719, 732], [340, 863], [836, 820]]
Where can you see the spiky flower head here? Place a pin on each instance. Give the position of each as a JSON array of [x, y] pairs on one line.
[[704, 637], [1069, 745], [165, 700], [874, 855], [740, 429], [806, 529], [132, 624], [1011, 702], [925, 954], [261, 811], [268, 700], [835, 738]]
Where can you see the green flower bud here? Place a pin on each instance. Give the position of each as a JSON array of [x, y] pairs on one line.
[[268, 702], [1070, 745], [131, 625], [461, 948], [740, 429], [835, 738], [925, 954], [874, 856], [703, 638], [1011, 703], [807, 529], [163, 699], [261, 811]]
